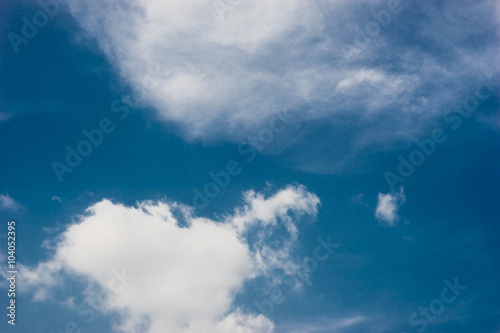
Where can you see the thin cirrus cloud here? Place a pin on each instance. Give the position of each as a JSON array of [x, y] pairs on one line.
[[335, 325], [221, 79], [193, 266]]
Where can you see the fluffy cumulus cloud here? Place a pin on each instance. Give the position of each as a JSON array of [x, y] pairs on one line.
[[388, 205], [219, 69], [192, 266]]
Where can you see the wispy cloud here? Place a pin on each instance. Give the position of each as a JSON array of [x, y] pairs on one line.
[[222, 79], [8, 203], [323, 325]]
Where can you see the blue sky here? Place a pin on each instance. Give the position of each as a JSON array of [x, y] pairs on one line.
[[289, 117]]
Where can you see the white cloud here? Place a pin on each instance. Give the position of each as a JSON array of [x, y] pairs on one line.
[[7, 203], [222, 79], [193, 267], [56, 198], [388, 205]]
